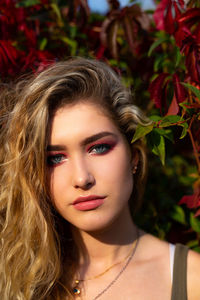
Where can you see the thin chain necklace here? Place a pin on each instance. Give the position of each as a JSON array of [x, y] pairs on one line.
[[77, 291]]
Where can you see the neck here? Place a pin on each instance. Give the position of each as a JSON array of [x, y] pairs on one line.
[[106, 246]]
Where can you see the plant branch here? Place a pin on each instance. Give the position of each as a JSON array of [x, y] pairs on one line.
[[196, 154], [158, 125]]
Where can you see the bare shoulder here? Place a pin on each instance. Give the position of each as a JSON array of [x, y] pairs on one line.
[[193, 275], [158, 253], [152, 240], [153, 247]]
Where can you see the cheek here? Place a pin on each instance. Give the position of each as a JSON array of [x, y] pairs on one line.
[[116, 169], [122, 177]]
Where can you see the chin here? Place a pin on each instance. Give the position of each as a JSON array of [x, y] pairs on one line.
[[97, 225], [92, 227]]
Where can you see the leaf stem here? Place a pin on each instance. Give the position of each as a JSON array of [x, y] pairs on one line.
[[190, 97], [158, 125], [196, 154]]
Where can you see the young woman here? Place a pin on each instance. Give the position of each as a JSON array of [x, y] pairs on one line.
[[70, 181]]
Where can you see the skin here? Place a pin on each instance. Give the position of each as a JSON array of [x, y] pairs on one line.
[[89, 156], [89, 160]]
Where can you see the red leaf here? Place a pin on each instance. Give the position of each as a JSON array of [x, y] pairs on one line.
[[44, 1], [182, 35], [114, 4], [193, 64], [112, 38], [196, 106], [31, 36], [169, 20], [130, 32], [166, 15], [179, 89], [181, 3], [197, 214], [177, 10], [190, 17], [37, 60], [9, 58], [156, 89], [100, 52], [105, 28], [159, 14], [133, 11], [197, 34], [192, 201], [174, 107]]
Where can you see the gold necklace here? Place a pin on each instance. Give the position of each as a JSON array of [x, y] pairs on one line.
[[76, 289]]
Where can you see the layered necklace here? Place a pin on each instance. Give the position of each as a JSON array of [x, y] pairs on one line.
[[77, 290]]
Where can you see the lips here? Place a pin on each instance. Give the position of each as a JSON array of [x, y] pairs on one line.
[[88, 202]]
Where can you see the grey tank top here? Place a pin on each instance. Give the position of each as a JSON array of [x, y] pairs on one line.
[[179, 281]]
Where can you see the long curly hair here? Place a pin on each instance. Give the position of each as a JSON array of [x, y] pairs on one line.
[[37, 254]]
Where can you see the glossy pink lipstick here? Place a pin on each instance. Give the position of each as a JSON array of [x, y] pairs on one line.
[[88, 202]]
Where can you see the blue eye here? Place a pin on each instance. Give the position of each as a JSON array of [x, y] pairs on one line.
[[55, 159], [100, 149]]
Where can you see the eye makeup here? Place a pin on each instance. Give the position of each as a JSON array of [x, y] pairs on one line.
[[101, 147], [54, 159]]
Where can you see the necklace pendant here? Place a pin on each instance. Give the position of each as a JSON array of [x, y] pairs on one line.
[[76, 291]]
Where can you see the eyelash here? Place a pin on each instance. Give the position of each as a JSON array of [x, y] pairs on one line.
[[51, 159], [98, 149]]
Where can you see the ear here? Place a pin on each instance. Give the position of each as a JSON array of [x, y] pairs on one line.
[[135, 159]]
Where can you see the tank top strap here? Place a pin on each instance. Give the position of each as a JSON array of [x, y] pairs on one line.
[[171, 257], [179, 283]]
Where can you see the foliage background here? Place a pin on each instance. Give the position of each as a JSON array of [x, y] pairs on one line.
[[158, 55]]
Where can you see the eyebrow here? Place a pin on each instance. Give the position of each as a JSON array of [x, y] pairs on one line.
[[85, 142]]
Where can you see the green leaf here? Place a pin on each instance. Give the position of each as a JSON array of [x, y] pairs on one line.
[[178, 214], [141, 131], [165, 132], [168, 120], [71, 43], [158, 62], [27, 3], [196, 249], [57, 12], [184, 105], [160, 149], [73, 31], [193, 243], [184, 133], [185, 128], [156, 143], [155, 118], [192, 88], [156, 44], [178, 56], [195, 223], [43, 43]]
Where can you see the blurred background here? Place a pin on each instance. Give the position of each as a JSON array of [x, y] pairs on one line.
[[102, 6], [154, 46]]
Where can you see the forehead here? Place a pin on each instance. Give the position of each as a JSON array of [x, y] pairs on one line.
[[82, 119]]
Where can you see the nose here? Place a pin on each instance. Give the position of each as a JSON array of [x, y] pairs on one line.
[[82, 177]]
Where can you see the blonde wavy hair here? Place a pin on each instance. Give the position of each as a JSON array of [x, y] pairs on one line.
[[37, 254]]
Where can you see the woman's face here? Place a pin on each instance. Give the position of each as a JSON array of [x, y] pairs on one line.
[[89, 166]]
